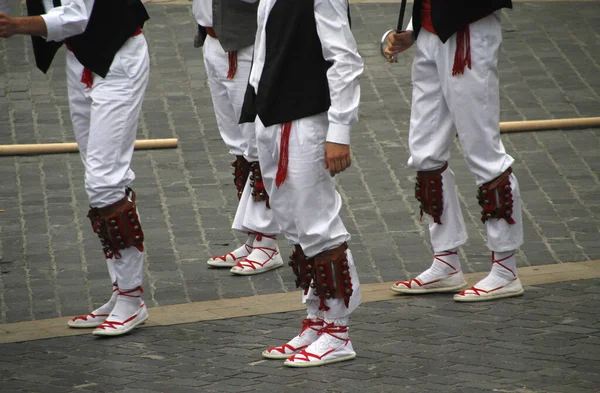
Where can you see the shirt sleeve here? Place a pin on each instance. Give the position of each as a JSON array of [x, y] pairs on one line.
[[339, 47], [68, 20]]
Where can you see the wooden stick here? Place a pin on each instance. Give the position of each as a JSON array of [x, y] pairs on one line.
[[53, 148], [539, 125]]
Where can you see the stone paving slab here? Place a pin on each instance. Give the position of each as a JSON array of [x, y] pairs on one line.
[[177, 314], [544, 342], [52, 264]]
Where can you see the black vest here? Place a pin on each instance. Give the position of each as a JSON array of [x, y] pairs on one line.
[[111, 23], [293, 84], [448, 17]]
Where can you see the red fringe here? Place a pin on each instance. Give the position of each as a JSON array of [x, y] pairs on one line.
[[232, 64], [87, 78], [462, 55], [322, 305], [286, 128]]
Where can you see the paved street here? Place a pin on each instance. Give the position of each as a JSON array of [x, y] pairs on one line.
[[544, 342], [51, 263]]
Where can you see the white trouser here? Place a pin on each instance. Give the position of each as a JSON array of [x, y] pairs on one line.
[[306, 205], [240, 139], [105, 120], [468, 104], [228, 97]]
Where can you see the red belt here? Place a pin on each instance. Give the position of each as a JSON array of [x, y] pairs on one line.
[[87, 76], [211, 32]]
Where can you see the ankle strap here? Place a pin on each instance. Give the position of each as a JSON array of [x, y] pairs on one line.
[[129, 291]]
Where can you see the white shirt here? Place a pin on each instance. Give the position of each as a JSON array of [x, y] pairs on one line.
[[66, 21], [339, 47], [202, 10]]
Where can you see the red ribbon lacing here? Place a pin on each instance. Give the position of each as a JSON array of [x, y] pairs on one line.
[[462, 55], [282, 166], [494, 260], [127, 293], [233, 63], [259, 236]]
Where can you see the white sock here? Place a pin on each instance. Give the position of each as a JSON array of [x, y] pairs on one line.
[[107, 307], [444, 264], [265, 247], [128, 303], [338, 321], [246, 248], [504, 270]]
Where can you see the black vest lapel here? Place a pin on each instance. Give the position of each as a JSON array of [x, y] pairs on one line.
[[43, 50]]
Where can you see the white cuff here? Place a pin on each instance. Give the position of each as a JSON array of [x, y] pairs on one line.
[[54, 27], [339, 133]]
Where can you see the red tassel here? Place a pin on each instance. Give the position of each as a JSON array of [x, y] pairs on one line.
[[232, 64], [87, 78], [286, 128], [462, 55]]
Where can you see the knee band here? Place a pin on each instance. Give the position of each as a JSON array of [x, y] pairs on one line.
[[495, 197], [429, 192], [118, 226]]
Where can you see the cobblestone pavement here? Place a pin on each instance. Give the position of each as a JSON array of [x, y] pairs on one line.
[[544, 342], [52, 263]]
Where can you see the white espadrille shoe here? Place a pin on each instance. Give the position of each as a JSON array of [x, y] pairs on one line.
[[308, 335], [231, 258], [129, 312], [265, 256], [332, 346], [96, 317], [452, 283]]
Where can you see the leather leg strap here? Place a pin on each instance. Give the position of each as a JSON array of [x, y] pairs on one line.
[[332, 275], [118, 226], [496, 199], [429, 192]]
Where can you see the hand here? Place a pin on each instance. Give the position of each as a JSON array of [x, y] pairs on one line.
[[337, 157], [398, 42], [8, 26]]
